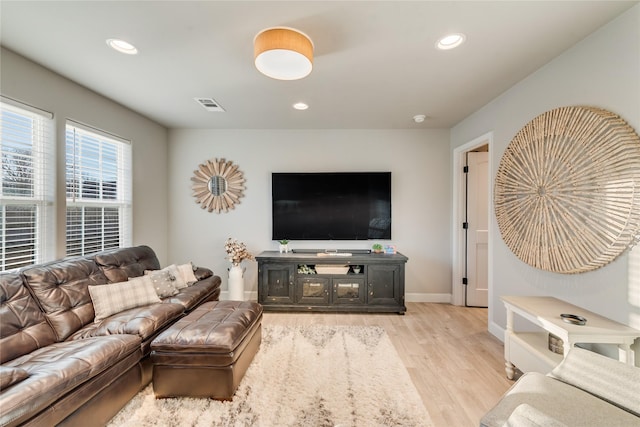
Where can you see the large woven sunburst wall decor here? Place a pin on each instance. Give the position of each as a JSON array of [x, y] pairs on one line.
[[217, 185], [567, 191]]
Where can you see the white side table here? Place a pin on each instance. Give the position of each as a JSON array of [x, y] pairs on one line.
[[529, 350]]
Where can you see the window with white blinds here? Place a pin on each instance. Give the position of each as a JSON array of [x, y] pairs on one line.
[[98, 187], [27, 187]]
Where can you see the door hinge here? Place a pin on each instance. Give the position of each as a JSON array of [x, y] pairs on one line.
[[465, 169], [465, 281], [465, 225]]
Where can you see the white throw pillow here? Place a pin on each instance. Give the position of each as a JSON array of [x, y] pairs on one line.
[[186, 272], [117, 297]]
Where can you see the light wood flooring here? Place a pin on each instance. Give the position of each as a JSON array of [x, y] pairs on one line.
[[454, 362]]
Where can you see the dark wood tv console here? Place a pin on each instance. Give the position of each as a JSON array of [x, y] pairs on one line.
[[310, 282]]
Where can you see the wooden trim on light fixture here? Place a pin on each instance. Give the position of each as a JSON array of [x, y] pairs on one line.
[[283, 53], [283, 38]]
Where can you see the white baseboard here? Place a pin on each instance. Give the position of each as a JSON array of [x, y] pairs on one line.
[[422, 297], [496, 330]]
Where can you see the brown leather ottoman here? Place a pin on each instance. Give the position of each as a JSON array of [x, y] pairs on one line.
[[206, 353]]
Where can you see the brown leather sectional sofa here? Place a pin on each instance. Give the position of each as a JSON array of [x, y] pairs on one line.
[[57, 366]]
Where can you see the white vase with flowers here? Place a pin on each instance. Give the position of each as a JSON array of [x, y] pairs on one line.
[[236, 253]]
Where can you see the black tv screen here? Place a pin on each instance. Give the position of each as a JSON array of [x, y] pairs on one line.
[[331, 205]]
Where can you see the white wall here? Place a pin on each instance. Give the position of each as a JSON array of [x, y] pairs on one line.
[[167, 218], [33, 84], [603, 70], [421, 199]]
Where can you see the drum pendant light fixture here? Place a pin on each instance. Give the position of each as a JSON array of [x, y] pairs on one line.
[[283, 53]]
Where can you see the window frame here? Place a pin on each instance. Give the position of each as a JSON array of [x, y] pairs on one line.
[[41, 146], [75, 199]]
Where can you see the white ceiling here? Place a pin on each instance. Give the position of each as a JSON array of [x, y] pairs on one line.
[[375, 63]]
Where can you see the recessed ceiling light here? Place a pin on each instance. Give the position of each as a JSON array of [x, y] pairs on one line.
[[450, 41], [300, 106], [419, 118], [122, 46]]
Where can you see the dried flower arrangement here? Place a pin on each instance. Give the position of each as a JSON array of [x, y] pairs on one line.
[[237, 251]]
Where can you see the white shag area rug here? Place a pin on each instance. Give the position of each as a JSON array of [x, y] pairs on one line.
[[311, 376]]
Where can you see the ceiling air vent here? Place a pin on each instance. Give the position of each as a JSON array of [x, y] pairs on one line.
[[209, 104]]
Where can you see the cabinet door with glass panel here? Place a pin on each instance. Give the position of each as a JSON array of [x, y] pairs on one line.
[[349, 290], [312, 290]]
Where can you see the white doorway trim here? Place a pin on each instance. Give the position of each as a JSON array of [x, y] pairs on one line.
[[457, 289]]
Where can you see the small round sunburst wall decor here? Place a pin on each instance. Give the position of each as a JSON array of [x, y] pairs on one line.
[[217, 185], [567, 190]]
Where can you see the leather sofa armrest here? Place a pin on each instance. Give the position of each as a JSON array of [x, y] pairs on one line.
[[202, 273]]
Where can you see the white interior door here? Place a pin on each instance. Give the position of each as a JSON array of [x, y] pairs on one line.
[[477, 289]]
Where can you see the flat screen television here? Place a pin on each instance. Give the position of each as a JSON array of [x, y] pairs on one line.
[[331, 205]]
